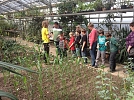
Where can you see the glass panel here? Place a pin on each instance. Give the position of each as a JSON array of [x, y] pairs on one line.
[[127, 20], [5, 8], [127, 13]]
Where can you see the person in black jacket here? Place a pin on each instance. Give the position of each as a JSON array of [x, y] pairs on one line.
[[77, 44], [84, 45]]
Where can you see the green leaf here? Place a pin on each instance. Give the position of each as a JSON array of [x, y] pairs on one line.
[[12, 71], [8, 95], [2, 64]]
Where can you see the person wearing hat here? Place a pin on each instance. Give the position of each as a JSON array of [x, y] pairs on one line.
[[93, 42]]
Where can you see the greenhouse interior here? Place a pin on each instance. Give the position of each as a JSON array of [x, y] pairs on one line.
[[66, 49]]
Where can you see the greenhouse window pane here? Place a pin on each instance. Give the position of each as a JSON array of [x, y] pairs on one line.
[[4, 7], [127, 20], [13, 4], [117, 20], [127, 13]]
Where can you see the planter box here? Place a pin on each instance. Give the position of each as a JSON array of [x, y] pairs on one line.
[[123, 6]]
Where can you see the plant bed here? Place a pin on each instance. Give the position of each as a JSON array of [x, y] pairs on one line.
[[70, 79], [71, 86]]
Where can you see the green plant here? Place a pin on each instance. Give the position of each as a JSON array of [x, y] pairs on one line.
[[108, 4], [66, 7], [9, 67], [34, 30], [4, 25], [108, 22], [82, 6], [121, 35], [98, 5], [105, 86], [9, 95], [129, 81]]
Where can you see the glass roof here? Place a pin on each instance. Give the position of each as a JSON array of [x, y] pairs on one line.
[[7, 6]]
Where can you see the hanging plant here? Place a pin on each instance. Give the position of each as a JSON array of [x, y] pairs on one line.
[[108, 22], [121, 35]]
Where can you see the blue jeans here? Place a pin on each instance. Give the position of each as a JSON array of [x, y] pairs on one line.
[[73, 52], [78, 52], [83, 53], [93, 53]]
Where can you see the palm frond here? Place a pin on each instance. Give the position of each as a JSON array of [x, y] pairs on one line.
[[8, 95], [3, 64]]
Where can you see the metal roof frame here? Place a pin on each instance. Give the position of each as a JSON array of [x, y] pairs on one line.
[[12, 7], [9, 6]]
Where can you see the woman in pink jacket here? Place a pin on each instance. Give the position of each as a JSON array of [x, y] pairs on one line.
[[93, 43]]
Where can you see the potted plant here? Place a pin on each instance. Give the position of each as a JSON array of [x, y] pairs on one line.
[[84, 7], [108, 4], [98, 5], [123, 5], [130, 5]]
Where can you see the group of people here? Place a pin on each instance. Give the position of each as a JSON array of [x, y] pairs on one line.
[[79, 40]]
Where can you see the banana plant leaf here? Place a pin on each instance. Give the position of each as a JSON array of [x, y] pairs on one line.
[[7, 66], [8, 95]]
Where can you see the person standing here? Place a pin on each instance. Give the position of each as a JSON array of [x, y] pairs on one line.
[[45, 38], [62, 45], [113, 51], [77, 44], [93, 43], [56, 31], [72, 43], [101, 48], [130, 43], [78, 29], [84, 45]]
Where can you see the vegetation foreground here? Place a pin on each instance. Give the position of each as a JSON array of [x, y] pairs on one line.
[[59, 80]]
